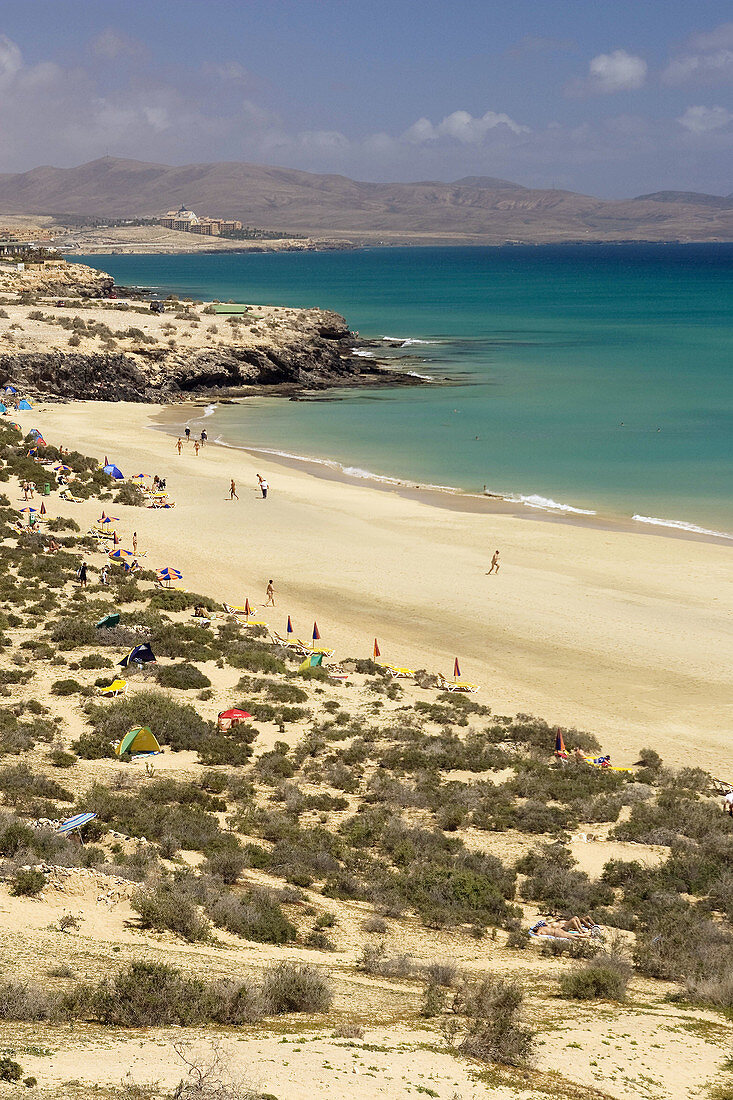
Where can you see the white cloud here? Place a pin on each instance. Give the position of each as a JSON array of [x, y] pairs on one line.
[[112, 44], [707, 58], [11, 61], [461, 126], [616, 72], [701, 120]]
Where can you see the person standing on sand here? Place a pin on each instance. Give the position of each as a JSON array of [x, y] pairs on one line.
[[187, 433], [179, 445], [233, 491], [204, 436], [270, 595], [196, 446], [494, 564], [263, 486], [83, 575], [134, 542]]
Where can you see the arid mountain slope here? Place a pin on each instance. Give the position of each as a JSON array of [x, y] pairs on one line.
[[475, 209]]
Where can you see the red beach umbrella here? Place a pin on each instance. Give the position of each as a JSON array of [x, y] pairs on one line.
[[456, 670], [247, 611], [316, 635], [376, 652]]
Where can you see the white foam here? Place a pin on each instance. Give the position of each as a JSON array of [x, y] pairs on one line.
[[547, 504], [682, 525], [407, 341], [362, 354]]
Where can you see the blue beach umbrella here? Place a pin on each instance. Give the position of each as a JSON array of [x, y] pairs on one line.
[[113, 471], [169, 574], [119, 554]]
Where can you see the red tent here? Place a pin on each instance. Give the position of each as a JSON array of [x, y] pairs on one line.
[[229, 718]]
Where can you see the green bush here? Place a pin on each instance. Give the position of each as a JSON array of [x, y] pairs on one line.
[[165, 909], [27, 883], [294, 987], [254, 916], [131, 495], [496, 1033], [181, 676], [174, 724], [9, 1070], [65, 687], [602, 978]]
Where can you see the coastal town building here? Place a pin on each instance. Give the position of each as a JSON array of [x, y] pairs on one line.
[[186, 221]]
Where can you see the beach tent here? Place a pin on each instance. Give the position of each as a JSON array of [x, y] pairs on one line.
[[113, 471], [10, 389], [313, 660], [108, 620], [35, 432], [24, 404], [229, 718], [139, 655], [138, 739], [2, 408], [76, 822]]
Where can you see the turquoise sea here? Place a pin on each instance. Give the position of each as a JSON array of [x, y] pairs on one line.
[[596, 378]]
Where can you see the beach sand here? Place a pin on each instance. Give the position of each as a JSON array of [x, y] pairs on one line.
[[625, 633]]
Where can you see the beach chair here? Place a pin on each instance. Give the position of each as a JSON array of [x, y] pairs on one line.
[[335, 672], [397, 672], [117, 687], [722, 786], [66, 494], [456, 685], [307, 648]]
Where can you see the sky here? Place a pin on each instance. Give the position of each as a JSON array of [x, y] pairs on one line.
[[614, 99]]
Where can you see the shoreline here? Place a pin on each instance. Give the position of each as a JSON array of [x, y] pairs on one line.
[[588, 627], [449, 497]]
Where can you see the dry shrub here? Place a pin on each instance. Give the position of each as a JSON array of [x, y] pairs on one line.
[[294, 987], [496, 1033]]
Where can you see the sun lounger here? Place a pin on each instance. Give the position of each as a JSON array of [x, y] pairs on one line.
[[335, 672], [296, 646], [456, 685], [117, 687], [308, 648], [396, 671], [722, 786], [66, 494]]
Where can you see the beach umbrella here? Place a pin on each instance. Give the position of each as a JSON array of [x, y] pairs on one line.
[[376, 652], [61, 469], [29, 509], [168, 574], [228, 718], [14, 425], [559, 743], [113, 471], [119, 555], [456, 670], [115, 538], [247, 611], [72, 823], [33, 452], [316, 635], [290, 626], [43, 509], [139, 477]]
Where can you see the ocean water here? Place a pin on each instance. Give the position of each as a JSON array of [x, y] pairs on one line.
[[597, 378]]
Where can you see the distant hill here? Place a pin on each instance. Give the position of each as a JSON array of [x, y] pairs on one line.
[[471, 210], [690, 198]]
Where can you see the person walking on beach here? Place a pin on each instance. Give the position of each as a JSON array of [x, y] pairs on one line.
[[204, 436], [494, 564], [179, 445], [134, 542], [270, 595], [233, 491], [263, 486], [196, 446], [82, 574], [187, 433]]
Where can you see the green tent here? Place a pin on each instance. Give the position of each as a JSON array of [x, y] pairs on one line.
[[313, 660], [138, 739], [108, 620]]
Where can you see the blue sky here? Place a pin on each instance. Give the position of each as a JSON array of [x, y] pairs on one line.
[[614, 99]]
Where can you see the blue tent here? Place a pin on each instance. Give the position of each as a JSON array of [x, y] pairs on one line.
[[140, 655], [2, 408], [113, 471], [25, 404], [10, 389]]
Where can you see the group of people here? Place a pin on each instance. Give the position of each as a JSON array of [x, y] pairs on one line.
[[29, 489], [197, 443], [263, 486], [568, 929]]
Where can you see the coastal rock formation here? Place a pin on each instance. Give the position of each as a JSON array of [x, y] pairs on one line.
[[56, 277]]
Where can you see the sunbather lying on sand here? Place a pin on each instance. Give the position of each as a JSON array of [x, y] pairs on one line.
[[570, 929]]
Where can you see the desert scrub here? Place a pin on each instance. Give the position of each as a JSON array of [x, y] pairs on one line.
[[496, 1032], [165, 909], [149, 814], [174, 724], [602, 978], [131, 495], [27, 883], [294, 987], [255, 915], [183, 676]]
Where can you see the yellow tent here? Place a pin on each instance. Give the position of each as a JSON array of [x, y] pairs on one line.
[[138, 739]]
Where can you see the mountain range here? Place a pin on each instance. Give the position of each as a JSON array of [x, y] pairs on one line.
[[475, 209]]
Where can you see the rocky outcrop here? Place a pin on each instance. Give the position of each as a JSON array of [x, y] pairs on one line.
[[56, 277], [317, 357]]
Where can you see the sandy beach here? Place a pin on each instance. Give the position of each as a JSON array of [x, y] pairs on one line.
[[623, 633]]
